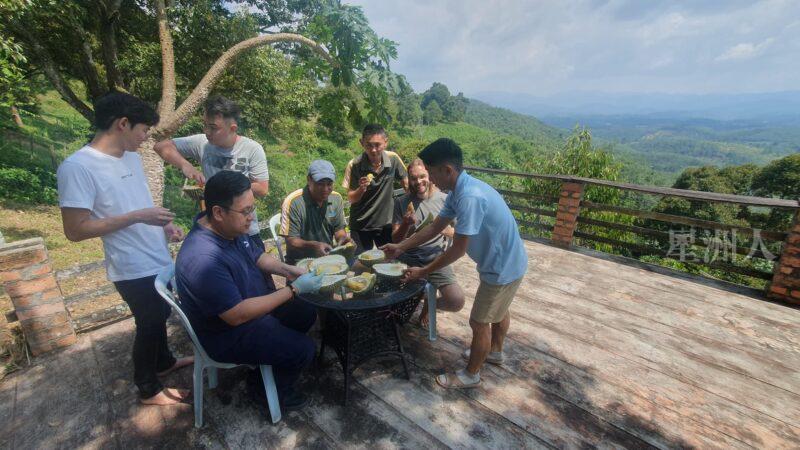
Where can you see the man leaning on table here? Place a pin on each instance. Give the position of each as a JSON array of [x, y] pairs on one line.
[[312, 218], [486, 230], [226, 290]]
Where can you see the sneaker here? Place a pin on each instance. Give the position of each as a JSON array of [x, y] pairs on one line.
[[293, 401], [495, 358]]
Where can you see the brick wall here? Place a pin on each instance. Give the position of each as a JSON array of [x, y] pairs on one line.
[[30, 282], [785, 285], [569, 203]]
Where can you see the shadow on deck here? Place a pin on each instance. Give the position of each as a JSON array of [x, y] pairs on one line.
[[599, 354]]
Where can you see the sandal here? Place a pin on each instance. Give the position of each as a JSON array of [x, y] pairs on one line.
[[451, 381]]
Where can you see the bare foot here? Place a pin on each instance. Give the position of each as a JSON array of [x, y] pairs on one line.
[[423, 315], [167, 396], [180, 362]]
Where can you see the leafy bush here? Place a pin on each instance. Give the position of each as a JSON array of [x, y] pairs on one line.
[[35, 187]]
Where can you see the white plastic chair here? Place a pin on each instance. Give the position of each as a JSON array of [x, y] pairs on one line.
[[275, 221], [430, 292], [202, 361]]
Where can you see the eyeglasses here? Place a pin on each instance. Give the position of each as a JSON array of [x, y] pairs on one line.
[[245, 212]]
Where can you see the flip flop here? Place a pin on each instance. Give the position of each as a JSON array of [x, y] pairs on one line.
[[451, 381]]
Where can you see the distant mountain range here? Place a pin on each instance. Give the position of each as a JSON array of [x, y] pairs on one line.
[[777, 108]]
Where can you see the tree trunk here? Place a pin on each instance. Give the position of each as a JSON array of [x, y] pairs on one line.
[[108, 41], [168, 91], [172, 119], [15, 116]]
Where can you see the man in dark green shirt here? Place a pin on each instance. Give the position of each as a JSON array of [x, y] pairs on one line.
[[312, 218], [369, 179]]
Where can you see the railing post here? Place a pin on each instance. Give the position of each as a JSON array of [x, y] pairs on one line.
[[29, 280], [785, 285], [569, 203]]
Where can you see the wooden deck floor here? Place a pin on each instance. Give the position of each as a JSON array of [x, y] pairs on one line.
[[600, 355]]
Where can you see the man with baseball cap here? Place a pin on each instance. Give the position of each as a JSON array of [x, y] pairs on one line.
[[312, 218]]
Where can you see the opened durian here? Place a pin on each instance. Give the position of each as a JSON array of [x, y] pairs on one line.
[[360, 284]]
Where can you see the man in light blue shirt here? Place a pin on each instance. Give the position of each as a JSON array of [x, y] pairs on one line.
[[486, 230]]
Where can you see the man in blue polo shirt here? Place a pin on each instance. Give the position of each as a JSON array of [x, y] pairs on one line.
[[486, 230], [227, 293]]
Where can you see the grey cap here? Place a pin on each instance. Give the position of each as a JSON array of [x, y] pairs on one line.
[[320, 169]]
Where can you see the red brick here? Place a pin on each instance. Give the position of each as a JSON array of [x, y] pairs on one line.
[[23, 257], [40, 311], [27, 287], [792, 261], [66, 340], [37, 298], [794, 238], [42, 323], [570, 202], [779, 290], [573, 209], [10, 275], [566, 217], [36, 271], [571, 187], [50, 334], [795, 294], [40, 349], [577, 194], [787, 270]]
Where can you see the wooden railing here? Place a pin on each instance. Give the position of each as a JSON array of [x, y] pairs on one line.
[[569, 219]]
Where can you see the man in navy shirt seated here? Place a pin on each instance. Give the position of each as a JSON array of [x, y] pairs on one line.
[[226, 290]]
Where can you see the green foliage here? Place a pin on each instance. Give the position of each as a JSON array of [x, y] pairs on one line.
[[27, 186], [780, 178], [438, 93], [409, 113], [432, 113], [455, 108], [508, 122]]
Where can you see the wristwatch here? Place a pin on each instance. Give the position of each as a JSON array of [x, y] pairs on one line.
[[293, 289]]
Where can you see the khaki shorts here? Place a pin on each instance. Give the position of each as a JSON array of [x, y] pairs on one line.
[[492, 301], [442, 277]]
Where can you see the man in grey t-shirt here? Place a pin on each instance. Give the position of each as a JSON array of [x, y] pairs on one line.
[[220, 148], [425, 201]]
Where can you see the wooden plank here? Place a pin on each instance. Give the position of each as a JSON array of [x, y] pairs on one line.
[[527, 195], [104, 289], [655, 190], [81, 269], [683, 220], [455, 419], [627, 405], [746, 391], [716, 306], [641, 249], [688, 400], [641, 231], [522, 400], [528, 209]]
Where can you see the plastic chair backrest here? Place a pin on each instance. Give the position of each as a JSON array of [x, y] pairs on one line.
[[163, 279], [275, 221]]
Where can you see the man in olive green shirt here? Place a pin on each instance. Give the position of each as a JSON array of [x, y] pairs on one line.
[[312, 218], [370, 179]]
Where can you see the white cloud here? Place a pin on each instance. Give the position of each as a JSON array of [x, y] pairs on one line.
[[542, 46], [744, 51]]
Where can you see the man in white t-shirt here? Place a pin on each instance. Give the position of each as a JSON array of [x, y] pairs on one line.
[[103, 193], [220, 148]]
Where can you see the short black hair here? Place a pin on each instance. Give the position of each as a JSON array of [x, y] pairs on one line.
[[219, 105], [372, 129], [223, 187], [443, 151], [116, 105]]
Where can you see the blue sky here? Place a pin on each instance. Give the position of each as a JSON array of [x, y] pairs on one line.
[[543, 47]]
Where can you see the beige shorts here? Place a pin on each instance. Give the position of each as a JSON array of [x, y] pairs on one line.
[[492, 301]]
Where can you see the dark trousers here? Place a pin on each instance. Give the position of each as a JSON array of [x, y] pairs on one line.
[[278, 339], [150, 351], [368, 239]]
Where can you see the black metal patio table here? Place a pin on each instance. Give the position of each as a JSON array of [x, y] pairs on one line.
[[359, 329]]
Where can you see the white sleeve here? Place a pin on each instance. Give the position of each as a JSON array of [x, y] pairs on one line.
[[258, 165], [76, 189]]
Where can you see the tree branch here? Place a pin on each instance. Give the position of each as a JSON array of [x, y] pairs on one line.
[[90, 75], [168, 91], [52, 74], [169, 124]]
